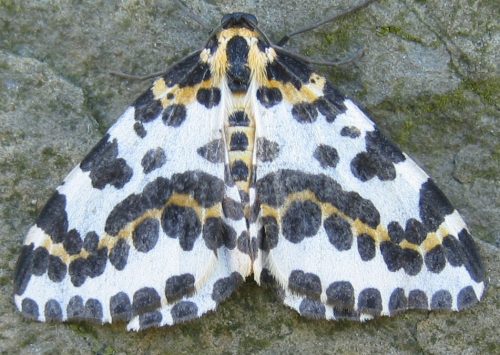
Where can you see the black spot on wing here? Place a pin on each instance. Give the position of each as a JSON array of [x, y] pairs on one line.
[[179, 286], [23, 269], [287, 68], [40, 261], [182, 223], [139, 129], [396, 232], [53, 219], [435, 260], [145, 300], [417, 299], [340, 295], [366, 247], [216, 233], [378, 160], [350, 131], [370, 301], [232, 209], [120, 307], [184, 311], [339, 232], [415, 232], [52, 311], [305, 283], [104, 166], [147, 108], [206, 189], [146, 235], [267, 150], [472, 261], [466, 298], [269, 97], [189, 67], [268, 235], [29, 308], [397, 301], [154, 195], [223, 288], [213, 151], [434, 206], [301, 220], [304, 112], [174, 115], [150, 319], [119, 254], [326, 155], [441, 300], [331, 104], [72, 242], [153, 159], [312, 308], [392, 254], [57, 269], [208, 97], [91, 241]]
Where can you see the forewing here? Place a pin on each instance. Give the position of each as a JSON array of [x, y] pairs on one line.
[[137, 232], [348, 225]]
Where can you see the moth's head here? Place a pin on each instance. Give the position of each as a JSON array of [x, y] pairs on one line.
[[239, 19]]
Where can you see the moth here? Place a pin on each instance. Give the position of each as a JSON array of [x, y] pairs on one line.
[[240, 161]]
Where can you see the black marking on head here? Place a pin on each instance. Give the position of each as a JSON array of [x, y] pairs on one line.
[[339, 232], [312, 308], [140, 130], [53, 311], [23, 271], [238, 141], [147, 108], [154, 195], [326, 155], [370, 301], [104, 166], [75, 309], [184, 311], [304, 112], [331, 104], [145, 300], [208, 97], [179, 286], [91, 241], [119, 254], [216, 233], [267, 150], [269, 97], [472, 262], [274, 188], [93, 310], [301, 220], [417, 299], [396, 232], [174, 115], [153, 159], [238, 72], [340, 295], [77, 270], [433, 204], [268, 235], [232, 209], [303, 283], [415, 232], [239, 118], [57, 269], [239, 171], [466, 298], [206, 189], [182, 223], [146, 235], [149, 320], [239, 19], [29, 308], [120, 307], [72, 242], [40, 261], [223, 288], [392, 254], [412, 261], [366, 247], [441, 300], [397, 301], [214, 151], [53, 219], [453, 250], [435, 260], [350, 131], [378, 160]]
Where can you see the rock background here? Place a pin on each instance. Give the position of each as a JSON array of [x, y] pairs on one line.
[[429, 76]]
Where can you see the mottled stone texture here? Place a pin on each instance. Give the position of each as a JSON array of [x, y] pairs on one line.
[[428, 77]]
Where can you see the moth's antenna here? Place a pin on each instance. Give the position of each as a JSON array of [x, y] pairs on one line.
[[285, 39], [193, 15]]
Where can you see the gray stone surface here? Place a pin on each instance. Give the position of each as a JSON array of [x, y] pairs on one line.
[[429, 76]]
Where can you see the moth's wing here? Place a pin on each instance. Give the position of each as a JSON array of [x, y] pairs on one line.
[[144, 229], [347, 224]]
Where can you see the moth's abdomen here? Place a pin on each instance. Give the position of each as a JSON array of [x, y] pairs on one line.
[[240, 136]]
